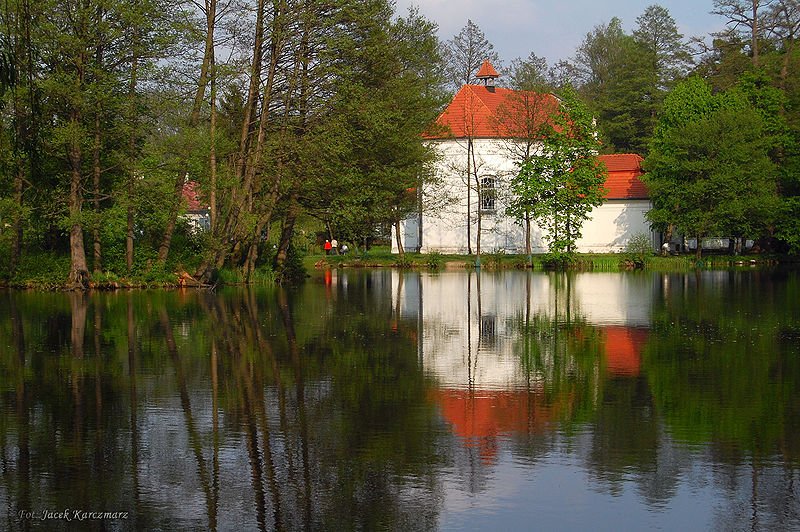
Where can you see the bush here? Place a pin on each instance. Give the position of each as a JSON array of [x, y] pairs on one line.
[[403, 262], [638, 252], [558, 261], [41, 270], [433, 260], [292, 271], [495, 259]]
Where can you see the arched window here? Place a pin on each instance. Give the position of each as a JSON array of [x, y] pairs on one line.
[[488, 194]]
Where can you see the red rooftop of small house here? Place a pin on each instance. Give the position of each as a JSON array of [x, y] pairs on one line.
[[623, 180], [191, 194]]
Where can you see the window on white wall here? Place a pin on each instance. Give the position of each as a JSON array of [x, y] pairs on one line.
[[488, 194]]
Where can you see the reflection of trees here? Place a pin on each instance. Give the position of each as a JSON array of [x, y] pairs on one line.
[[272, 409], [564, 359], [559, 351], [723, 369]]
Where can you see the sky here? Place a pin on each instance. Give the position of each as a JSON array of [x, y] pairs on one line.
[[553, 29]]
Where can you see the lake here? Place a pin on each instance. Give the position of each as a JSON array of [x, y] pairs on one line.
[[388, 400]]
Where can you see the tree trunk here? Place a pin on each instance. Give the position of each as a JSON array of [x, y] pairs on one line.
[[212, 155], [528, 247], [469, 197], [78, 275], [287, 232], [194, 119], [478, 200], [131, 185], [754, 33], [97, 262], [400, 249], [16, 240]]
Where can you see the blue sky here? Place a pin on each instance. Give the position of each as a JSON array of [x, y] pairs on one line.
[[553, 29]]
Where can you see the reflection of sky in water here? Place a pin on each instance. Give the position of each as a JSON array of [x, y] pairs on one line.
[[552, 494]]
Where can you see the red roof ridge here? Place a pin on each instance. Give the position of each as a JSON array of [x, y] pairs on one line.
[[626, 155]]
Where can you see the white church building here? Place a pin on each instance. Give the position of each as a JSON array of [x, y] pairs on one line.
[[469, 128]]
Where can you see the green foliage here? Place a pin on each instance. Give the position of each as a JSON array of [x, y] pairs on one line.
[[559, 261], [386, 96], [158, 275], [229, 276], [709, 170], [495, 259], [41, 270], [562, 182], [638, 251], [789, 227], [263, 275], [404, 262], [292, 271], [434, 260]]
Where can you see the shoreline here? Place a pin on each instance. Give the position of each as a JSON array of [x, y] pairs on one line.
[[601, 262]]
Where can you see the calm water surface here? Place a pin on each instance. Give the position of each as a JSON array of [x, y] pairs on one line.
[[398, 401]]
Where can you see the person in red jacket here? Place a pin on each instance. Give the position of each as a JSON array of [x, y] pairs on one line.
[[327, 247]]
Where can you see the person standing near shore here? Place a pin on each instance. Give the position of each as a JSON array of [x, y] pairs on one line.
[[335, 246], [327, 247]]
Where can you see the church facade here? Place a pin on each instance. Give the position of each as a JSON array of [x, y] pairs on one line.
[[473, 139]]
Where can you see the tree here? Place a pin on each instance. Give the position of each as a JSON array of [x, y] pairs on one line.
[[562, 181], [464, 53], [657, 32], [619, 79], [709, 170], [8, 69], [747, 14], [522, 120], [530, 74], [783, 24]]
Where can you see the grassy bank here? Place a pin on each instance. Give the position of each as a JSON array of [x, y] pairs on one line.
[[48, 271], [607, 262]]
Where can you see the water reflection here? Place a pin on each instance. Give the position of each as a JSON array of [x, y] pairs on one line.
[[408, 400]]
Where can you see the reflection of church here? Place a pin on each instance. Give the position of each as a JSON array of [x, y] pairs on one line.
[[473, 340]]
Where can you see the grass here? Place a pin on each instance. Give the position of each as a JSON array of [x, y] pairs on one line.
[[603, 262]]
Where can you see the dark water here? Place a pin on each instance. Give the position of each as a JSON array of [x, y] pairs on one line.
[[381, 400]]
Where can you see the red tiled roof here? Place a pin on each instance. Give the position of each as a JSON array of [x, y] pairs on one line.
[[487, 71], [191, 194], [623, 180], [473, 113]]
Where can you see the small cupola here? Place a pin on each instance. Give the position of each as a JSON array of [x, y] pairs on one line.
[[487, 74]]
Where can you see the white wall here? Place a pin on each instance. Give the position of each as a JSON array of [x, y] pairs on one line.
[[445, 208]]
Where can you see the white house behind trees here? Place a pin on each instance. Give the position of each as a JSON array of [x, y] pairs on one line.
[[477, 160]]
